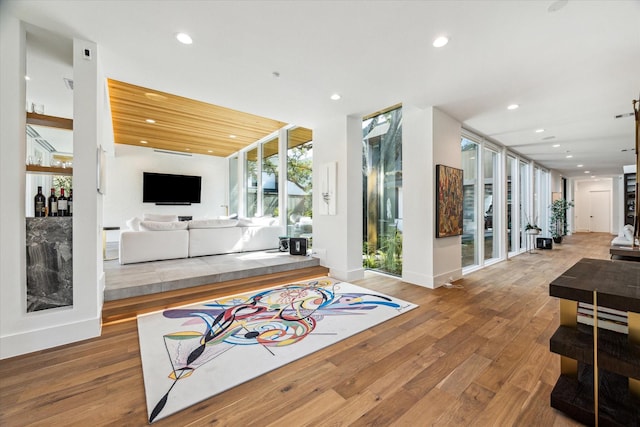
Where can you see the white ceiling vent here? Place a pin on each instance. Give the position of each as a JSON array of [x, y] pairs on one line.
[[175, 153]]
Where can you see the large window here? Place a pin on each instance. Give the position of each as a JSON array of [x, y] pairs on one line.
[[251, 189], [482, 201], [276, 185], [270, 169], [382, 191], [299, 182], [470, 159], [512, 199], [491, 204]]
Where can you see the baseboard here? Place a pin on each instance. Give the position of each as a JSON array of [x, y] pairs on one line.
[[418, 279], [28, 342], [431, 282], [347, 275]]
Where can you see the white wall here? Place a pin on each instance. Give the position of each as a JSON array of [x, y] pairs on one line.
[[337, 239], [429, 137], [123, 198]]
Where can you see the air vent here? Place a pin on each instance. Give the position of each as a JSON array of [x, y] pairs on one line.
[[619, 116], [175, 153]]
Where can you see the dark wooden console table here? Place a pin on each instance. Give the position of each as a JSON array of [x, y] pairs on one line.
[[625, 251], [615, 398]]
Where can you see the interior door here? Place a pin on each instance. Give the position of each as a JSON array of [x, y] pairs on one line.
[[600, 211]]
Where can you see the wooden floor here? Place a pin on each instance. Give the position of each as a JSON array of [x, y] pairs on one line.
[[477, 354]]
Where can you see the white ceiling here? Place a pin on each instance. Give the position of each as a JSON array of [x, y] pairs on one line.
[[571, 71]]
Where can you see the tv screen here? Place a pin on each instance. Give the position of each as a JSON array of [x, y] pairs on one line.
[[167, 189]]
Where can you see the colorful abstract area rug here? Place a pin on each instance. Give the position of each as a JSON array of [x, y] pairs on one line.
[[193, 352]]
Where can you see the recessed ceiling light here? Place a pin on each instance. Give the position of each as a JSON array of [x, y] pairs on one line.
[[184, 38], [209, 151], [335, 96], [587, 171], [188, 149], [27, 78], [512, 107], [556, 145], [539, 130], [143, 142], [580, 166], [569, 156], [440, 41], [150, 121], [232, 136]]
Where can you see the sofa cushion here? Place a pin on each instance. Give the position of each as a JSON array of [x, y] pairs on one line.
[[162, 226], [134, 223], [160, 218], [627, 231], [212, 223]]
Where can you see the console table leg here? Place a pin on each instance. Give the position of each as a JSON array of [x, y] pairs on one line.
[[634, 337], [568, 317]]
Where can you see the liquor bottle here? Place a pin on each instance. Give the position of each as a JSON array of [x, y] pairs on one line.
[[53, 203], [39, 203], [62, 204], [70, 202]]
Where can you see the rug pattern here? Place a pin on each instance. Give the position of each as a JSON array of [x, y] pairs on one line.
[[194, 352]]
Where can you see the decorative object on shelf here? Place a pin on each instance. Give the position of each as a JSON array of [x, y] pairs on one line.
[[40, 204], [558, 219], [449, 196], [298, 246]]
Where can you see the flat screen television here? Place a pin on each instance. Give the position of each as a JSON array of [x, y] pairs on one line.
[[168, 189]]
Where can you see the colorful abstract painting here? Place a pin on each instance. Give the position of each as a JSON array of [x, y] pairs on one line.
[[194, 352], [449, 190]]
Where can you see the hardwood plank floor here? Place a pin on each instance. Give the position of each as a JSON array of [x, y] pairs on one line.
[[475, 354]]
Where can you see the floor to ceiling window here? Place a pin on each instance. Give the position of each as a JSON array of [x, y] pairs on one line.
[[382, 191], [270, 172], [512, 200], [251, 179], [299, 182], [470, 159], [491, 203], [234, 190], [523, 196]]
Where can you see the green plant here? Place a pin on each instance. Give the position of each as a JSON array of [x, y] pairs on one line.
[[388, 258], [557, 220]]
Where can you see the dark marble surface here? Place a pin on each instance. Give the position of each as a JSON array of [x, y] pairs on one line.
[[49, 263]]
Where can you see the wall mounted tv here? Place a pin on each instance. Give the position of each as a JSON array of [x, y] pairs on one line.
[[168, 189]]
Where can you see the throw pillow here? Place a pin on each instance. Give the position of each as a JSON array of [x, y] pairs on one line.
[[163, 225], [134, 223], [628, 232], [212, 223], [160, 218]]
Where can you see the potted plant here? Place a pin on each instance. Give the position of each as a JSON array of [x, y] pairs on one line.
[[532, 228], [557, 221]]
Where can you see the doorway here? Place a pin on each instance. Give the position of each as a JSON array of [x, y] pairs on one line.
[[600, 211]]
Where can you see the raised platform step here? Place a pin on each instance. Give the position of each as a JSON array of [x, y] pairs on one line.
[[127, 308]]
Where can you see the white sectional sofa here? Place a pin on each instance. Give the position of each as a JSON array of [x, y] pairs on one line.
[[160, 237]]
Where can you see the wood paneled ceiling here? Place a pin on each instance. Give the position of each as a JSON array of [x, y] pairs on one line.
[[185, 125]]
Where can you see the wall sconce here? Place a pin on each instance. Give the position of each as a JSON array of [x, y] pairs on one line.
[[328, 188]]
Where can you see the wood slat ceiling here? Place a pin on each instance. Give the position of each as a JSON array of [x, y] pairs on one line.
[[186, 125]]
